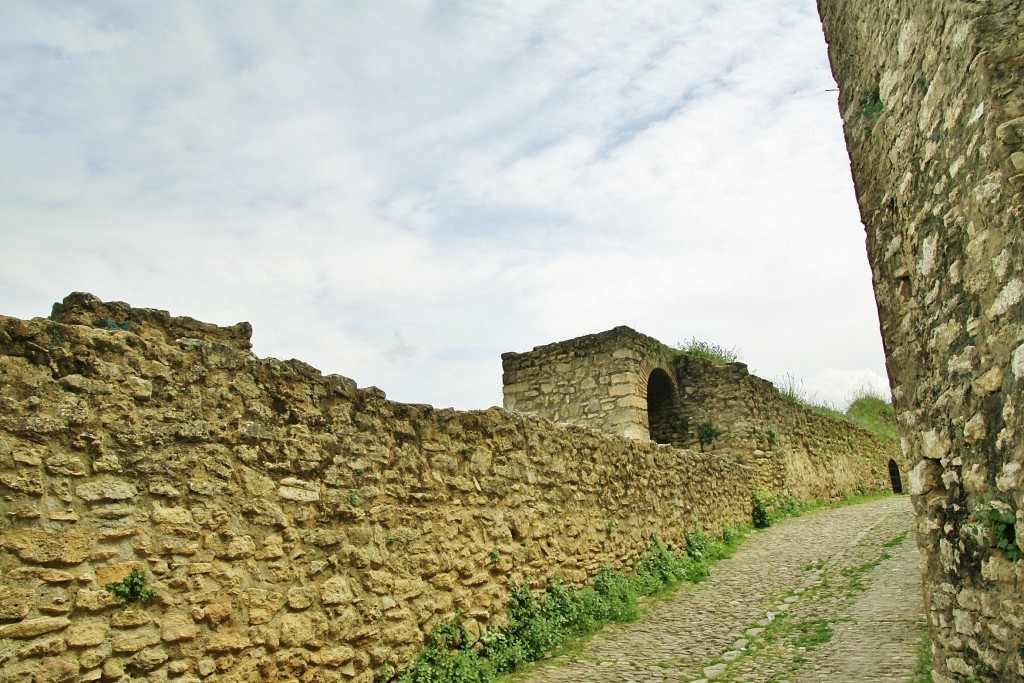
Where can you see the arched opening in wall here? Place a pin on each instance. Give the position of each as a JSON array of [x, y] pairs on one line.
[[661, 406], [894, 477]]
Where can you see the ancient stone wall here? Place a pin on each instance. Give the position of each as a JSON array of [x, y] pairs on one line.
[[932, 101], [289, 522], [792, 447], [292, 524], [598, 381], [624, 382]]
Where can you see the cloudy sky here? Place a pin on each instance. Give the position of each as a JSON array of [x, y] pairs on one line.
[[400, 191]]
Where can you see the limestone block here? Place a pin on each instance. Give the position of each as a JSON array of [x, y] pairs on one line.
[[57, 670], [66, 465], [87, 632], [263, 604], [990, 382], [149, 659], [171, 515], [45, 647], [302, 597], [48, 547], [298, 490], [85, 385], [138, 388], [239, 547], [116, 572], [113, 669], [15, 603], [335, 591], [335, 656], [106, 489], [302, 629], [130, 618], [216, 612], [94, 657], [1009, 477], [29, 628], [176, 625], [135, 640], [1017, 365], [227, 641]]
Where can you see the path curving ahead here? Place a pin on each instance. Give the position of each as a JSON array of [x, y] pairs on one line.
[[834, 595]]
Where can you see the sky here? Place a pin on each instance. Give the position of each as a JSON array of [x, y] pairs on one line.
[[400, 191]]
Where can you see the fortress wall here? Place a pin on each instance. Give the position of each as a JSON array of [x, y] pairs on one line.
[[601, 381], [292, 524], [932, 101], [791, 447]]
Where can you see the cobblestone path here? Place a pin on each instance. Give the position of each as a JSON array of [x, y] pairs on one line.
[[833, 595]]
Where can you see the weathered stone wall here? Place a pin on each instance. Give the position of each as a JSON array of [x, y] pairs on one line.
[[932, 99], [293, 525], [598, 381], [290, 522], [792, 448], [624, 382]]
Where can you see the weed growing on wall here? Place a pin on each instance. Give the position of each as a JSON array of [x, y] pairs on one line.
[[717, 354], [132, 588], [707, 432], [997, 529], [871, 107], [537, 625]]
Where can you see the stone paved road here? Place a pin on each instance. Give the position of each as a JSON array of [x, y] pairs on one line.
[[833, 595]]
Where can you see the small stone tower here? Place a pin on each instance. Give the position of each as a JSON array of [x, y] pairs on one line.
[[620, 382]]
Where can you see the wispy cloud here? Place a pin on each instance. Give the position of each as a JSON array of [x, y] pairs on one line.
[[470, 177]]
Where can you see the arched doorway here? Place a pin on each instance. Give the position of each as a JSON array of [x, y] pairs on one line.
[[660, 406], [894, 477]]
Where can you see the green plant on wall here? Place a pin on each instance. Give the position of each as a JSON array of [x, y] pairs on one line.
[[716, 353], [132, 588], [871, 107], [708, 432], [996, 527]]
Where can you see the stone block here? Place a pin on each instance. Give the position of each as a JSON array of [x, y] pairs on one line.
[[87, 632], [29, 628]]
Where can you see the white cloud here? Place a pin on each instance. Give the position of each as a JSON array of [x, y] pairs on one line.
[[472, 178]]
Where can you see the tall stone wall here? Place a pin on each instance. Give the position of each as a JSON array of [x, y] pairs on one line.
[[291, 524], [932, 100], [294, 526]]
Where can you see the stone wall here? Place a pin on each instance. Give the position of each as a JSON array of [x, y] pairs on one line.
[[623, 382], [932, 101], [293, 525], [792, 448]]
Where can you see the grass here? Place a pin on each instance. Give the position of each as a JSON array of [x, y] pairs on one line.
[[769, 508], [717, 354], [540, 626], [873, 413], [559, 621], [866, 408], [923, 670]]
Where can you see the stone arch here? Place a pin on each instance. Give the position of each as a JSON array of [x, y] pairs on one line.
[[894, 477], [662, 406]]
